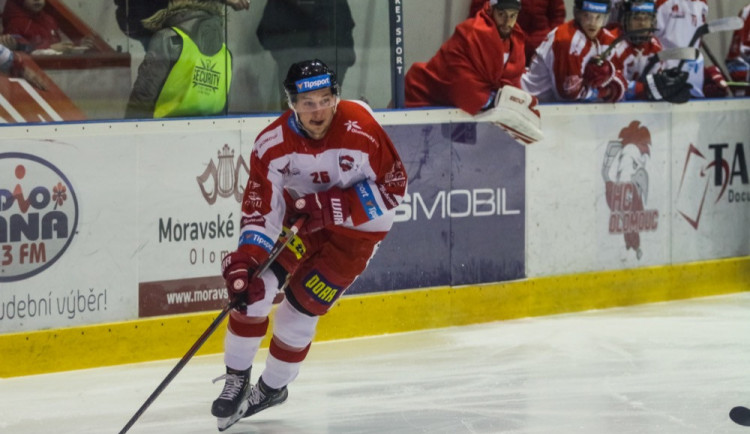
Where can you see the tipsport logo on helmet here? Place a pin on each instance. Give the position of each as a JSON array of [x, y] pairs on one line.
[[313, 83], [643, 7], [38, 216], [596, 7]]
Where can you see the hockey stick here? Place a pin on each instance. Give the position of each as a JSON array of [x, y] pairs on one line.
[[687, 53], [740, 415], [715, 61], [738, 84], [603, 56], [717, 25], [275, 252]]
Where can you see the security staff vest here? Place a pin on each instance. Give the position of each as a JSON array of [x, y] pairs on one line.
[[198, 84]]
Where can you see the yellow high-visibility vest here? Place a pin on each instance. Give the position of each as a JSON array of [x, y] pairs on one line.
[[198, 84]]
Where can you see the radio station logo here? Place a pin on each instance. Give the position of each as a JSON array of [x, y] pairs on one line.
[[38, 216], [223, 179], [625, 173]]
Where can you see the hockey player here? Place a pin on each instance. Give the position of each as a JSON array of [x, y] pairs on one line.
[[677, 22], [485, 53], [327, 160], [479, 70], [738, 58], [635, 56], [568, 64]]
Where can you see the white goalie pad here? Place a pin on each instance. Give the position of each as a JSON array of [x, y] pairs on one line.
[[516, 112]]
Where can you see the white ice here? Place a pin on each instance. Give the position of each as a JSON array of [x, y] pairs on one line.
[[676, 367]]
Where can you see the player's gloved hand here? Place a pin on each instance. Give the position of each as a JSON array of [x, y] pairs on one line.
[[237, 269], [614, 90], [323, 209], [714, 85], [739, 70], [515, 111], [598, 73], [669, 85]]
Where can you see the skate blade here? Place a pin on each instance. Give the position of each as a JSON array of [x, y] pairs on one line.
[[223, 423]]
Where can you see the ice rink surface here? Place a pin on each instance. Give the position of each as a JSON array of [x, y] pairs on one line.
[[675, 367]]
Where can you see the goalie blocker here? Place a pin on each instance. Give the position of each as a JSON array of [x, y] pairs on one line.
[[516, 112]]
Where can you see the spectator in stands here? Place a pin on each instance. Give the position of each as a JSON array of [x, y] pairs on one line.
[[13, 65], [536, 18], [572, 64], [677, 21], [13, 42], [635, 55], [485, 53], [131, 13], [303, 29], [187, 69], [28, 19], [738, 58]]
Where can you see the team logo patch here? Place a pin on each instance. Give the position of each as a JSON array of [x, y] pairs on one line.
[[320, 289], [346, 163]]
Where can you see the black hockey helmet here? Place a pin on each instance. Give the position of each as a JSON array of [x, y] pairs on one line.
[[631, 7], [596, 6], [506, 4], [309, 75]]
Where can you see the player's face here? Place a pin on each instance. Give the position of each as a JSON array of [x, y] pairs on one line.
[[315, 111], [591, 22], [505, 19], [33, 5], [640, 20]]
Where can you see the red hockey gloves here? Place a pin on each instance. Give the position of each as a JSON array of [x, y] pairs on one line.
[[614, 90], [237, 269], [323, 209], [714, 85], [597, 75], [669, 85]]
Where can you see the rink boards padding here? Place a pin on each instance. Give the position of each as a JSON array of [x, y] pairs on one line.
[[375, 314], [126, 222]]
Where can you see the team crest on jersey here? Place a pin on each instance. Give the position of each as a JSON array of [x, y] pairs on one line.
[[346, 163], [396, 176], [288, 171], [676, 12]]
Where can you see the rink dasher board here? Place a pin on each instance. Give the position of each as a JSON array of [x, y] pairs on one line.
[[566, 214]]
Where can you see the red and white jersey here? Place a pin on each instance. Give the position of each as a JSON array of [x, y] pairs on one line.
[[356, 155], [740, 46], [556, 73], [631, 60], [677, 21]]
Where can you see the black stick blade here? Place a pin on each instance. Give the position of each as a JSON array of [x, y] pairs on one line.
[[740, 415]]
